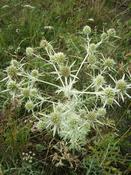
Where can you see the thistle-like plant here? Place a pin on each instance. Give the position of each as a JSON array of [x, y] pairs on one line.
[[69, 115]]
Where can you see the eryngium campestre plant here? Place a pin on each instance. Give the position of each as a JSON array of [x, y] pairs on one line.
[[73, 112]]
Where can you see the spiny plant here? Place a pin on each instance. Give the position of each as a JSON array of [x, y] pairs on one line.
[[66, 112]]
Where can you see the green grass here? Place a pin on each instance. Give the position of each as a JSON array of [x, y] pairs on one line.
[[21, 27]]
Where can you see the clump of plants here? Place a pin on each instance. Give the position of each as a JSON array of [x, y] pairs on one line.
[[63, 108]]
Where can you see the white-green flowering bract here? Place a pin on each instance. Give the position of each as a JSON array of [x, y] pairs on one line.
[[69, 116]]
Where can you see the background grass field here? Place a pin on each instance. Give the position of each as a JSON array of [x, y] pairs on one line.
[[24, 23]]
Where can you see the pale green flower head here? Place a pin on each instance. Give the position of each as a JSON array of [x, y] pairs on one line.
[[43, 43], [109, 96], [55, 118], [101, 112], [29, 106], [91, 116], [26, 92], [58, 58], [46, 45], [98, 81], [87, 30], [109, 92], [92, 47], [40, 125], [33, 92], [111, 32], [35, 73], [12, 86], [12, 71], [104, 36], [15, 63], [65, 71], [109, 63], [29, 51], [121, 85], [92, 59]]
